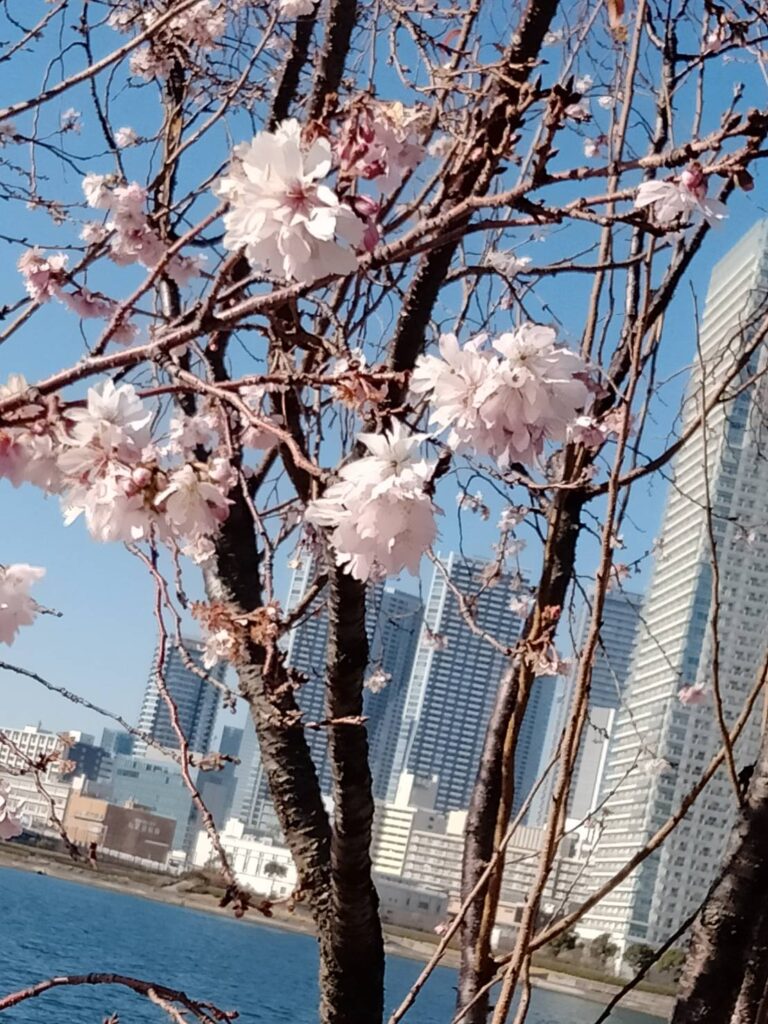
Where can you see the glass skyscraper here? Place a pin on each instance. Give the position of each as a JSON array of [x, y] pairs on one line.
[[618, 634], [196, 698], [660, 747], [393, 620], [456, 675]]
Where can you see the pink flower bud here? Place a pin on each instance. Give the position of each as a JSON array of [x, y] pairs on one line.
[[141, 476]]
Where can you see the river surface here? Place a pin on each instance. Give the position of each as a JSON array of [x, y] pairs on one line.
[[51, 927]]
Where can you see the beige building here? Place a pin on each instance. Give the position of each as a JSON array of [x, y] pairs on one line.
[[424, 849], [126, 831]]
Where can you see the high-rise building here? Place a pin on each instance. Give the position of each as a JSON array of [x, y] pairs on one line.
[[618, 633], [153, 782], [195, 695], [659, 746], [455, 677], [217, 788], [115, 741], [393, 619]]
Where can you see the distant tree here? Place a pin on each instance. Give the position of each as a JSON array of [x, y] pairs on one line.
[[602, 949], [274, 869], [565, 942], [639, 956], [672, 963]]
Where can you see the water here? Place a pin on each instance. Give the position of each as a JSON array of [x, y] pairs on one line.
[[49, 927]]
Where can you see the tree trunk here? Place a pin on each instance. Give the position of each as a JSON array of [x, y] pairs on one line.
[[354, 970], [729, 950], [751, 1004]]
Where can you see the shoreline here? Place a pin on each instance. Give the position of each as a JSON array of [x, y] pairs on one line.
[[598, 992]]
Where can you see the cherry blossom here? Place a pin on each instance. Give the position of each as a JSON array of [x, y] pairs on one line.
[[379, 142], [124, 137], [190, 432], [198, 26], [545, 661], [286, 221], [355, 390], [17, 608], [503, 407], [8, 132], [520, 604], [97, 190], [619, 574], [10, 824], [679, 199], [114, 418], [656, 766], [578, 111], [435, 641], [113, 504], [378, 680], [380, 517], [691, 696], [133, 239], [290, 9], [594, 147], [220, 645], [192, 505], [474, 503], [121, 483], [27, 453], [258, 435], [43, 275], [506, 263]]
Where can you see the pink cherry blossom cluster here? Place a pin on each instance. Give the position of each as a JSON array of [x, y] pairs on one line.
[[103, 462], [504, 403], [290, 9], [10, 824], [678, 199], [380, 515], [692, 696], [281, 214], [379, 142], [44, 278], [199, 26], [133, 239], [17, 608]]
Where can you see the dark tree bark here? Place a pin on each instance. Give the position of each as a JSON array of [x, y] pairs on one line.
[[357, 987], [729, 950], [751, 1004], [330, 68]]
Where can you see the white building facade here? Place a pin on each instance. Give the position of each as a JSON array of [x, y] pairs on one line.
[[618, 634], [675, 646]]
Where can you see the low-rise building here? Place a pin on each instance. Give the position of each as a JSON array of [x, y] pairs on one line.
[[35, 744], [36, 802], [260, 865], [410, 905], [126, 831], [153, 782], [424, 850]]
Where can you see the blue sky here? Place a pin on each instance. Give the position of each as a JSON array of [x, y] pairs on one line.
[[102, 645]]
